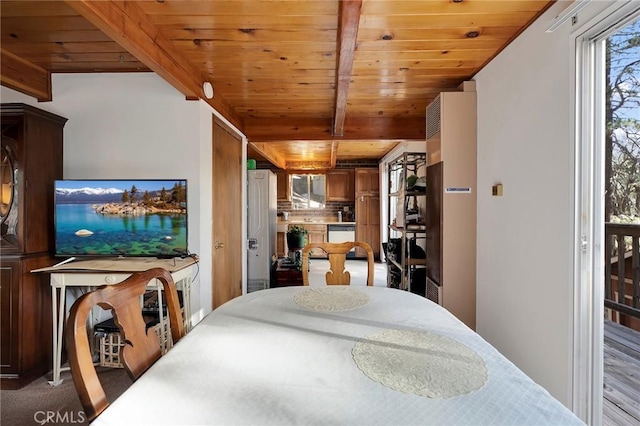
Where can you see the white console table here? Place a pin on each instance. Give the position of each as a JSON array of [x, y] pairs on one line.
[[108, 271]]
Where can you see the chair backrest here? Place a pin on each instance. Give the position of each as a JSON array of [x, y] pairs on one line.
[[337, 275], [141, 347]]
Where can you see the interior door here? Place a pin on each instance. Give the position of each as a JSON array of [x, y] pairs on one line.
[[227, 214]]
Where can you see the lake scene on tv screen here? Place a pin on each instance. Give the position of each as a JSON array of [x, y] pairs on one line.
[[121, 218]]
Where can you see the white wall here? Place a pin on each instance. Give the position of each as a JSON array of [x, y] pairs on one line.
[[138, 126], [525, 238]]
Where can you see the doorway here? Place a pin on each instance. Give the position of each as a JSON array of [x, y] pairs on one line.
[[599, 98], [227, 238]]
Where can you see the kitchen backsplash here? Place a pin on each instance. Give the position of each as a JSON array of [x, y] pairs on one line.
[[331, 209]]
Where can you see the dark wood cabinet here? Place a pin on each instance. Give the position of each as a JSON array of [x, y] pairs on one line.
[[367, 181], [281, 244], [286, 277], [368, 223], [340, 186], [283, 185], [368, 209], [317, 234], [31, 159]]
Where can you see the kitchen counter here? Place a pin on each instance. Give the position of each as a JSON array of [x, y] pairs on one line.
[[314, 222], [322, 230]]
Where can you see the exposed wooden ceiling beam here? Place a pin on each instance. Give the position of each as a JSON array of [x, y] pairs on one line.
[[349, 20], [334, 153], [360, 128], [24, 76], [270, 154], [128, 25]]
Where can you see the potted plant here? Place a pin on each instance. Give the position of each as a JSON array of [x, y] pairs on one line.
[[296, 237]]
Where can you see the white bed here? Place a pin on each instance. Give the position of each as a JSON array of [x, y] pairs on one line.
[[269, 358]]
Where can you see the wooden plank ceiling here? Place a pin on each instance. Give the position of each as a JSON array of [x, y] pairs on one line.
[[310, 82]]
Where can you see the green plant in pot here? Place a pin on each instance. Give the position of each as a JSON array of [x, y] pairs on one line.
[[297, 237]]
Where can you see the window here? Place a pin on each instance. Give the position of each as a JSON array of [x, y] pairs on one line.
[[622, 115], [308, 191]]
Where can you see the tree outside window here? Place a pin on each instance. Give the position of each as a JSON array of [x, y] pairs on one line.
[[622, 178], [307, 191]]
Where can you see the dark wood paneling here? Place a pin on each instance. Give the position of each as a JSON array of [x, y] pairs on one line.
[[433, 218], [10, 279]]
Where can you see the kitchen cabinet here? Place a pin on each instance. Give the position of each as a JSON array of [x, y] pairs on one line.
[[283, 185], [281, 239], [451, 210], [367, 181], [317, 234], [31, 154], [340, 185], [281, 244], [367, 206]]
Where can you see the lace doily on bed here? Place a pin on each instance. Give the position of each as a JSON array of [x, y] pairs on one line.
[[421, 363], [325, 299]]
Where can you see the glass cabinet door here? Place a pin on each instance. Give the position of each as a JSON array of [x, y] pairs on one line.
[[8, 192]]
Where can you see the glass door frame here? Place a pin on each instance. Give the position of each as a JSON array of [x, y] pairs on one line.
[[589, 229]]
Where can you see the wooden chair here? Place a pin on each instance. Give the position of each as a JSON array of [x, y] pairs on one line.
[[337, 275], [141, 348]]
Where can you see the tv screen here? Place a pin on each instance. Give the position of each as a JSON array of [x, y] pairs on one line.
[[121, 218]]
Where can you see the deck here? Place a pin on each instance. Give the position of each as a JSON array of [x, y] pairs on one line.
[[621, 405]]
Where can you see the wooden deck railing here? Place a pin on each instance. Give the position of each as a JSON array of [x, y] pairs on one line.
[[622, 271]]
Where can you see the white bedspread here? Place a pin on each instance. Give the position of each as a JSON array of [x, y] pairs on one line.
[[263, 359]]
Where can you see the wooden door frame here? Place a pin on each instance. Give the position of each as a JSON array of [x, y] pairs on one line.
[[243, 140]]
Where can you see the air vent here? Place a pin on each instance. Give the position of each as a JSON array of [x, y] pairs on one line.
[[434, 291], [255, 285], [433, 118]]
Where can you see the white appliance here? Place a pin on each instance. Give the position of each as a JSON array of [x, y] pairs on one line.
[[261, 227], [342, 233]]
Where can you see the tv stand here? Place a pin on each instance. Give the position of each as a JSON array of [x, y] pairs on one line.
[[92, 273]]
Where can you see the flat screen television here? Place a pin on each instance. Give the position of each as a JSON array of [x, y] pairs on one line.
[[121, 218]]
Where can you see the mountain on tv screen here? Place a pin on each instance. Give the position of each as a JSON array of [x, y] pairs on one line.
[[121, 218]]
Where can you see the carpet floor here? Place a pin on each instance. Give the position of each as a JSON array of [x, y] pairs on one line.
[[38, 403]]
